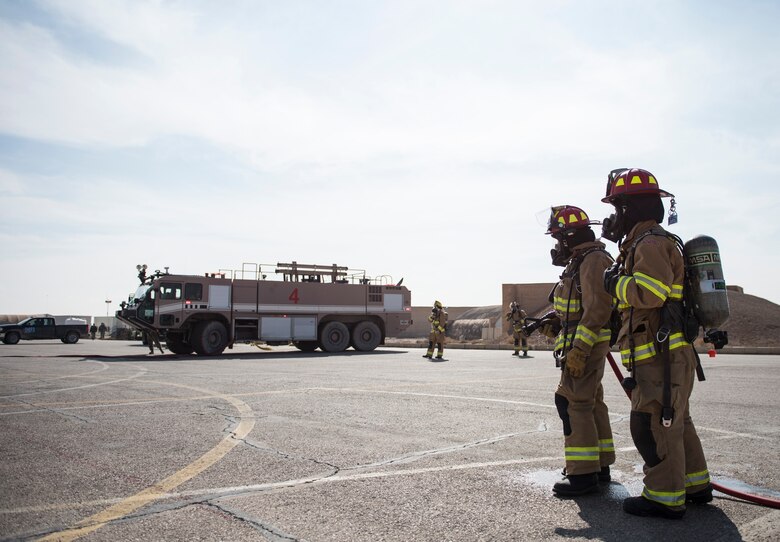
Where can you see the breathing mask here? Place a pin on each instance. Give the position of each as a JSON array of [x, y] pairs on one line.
[[561, 253], [613, 228]]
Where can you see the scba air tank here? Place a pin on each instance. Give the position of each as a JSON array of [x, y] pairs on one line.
[[707, 285]]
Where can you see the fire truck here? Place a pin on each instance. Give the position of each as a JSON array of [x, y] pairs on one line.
[[311, 306]]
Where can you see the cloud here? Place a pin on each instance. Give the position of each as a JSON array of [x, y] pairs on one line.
[[415, 138]]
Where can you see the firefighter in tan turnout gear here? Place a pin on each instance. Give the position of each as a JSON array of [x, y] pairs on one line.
[[582, 311], [648, 280], [516, 318], [438, 320]]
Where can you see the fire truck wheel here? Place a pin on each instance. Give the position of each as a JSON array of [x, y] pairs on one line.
[[209, 338], [305, 346], [334, 337], [366, 336]]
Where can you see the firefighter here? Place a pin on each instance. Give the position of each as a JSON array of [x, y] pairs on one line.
[[438, 320], [647, 281], [582, 339], [516, 318], [154, 340]]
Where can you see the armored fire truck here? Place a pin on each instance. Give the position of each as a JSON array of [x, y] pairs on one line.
[[310, 306]]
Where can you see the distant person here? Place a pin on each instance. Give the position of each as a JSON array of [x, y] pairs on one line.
[[93, 331], [516, 318], [102, 330], [438, 320], [153, 339], [583, 310]]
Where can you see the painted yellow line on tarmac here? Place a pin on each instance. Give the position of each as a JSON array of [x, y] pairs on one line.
[[156, 491]]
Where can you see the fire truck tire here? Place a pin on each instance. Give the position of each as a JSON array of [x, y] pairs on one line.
[[334, 337], [306, 346], [71, 337], [209, 338], [366, 336], [175, 343], [11, 338]]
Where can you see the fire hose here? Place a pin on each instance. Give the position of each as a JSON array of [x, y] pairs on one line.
[[757, 499]]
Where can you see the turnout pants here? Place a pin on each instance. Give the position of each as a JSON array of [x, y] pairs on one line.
[[674, 459], [519, 338], [435, 339], [588, 443]]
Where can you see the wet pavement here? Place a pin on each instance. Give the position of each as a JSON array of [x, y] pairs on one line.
[[100, 441]]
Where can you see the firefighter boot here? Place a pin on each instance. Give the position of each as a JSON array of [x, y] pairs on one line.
[[604, 475], [577, 484], [429, 353], [639, 506], [440, 353], [700, 497], [517, 348]]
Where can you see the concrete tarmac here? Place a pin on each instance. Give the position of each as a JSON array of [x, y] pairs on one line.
[[101, 441]]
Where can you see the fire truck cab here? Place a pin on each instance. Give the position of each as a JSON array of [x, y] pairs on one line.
[[310, 306]]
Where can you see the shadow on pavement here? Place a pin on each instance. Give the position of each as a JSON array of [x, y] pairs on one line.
[[607, 521], [260, 355]]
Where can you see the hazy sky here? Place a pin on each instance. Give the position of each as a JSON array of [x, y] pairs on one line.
[[412, 138]]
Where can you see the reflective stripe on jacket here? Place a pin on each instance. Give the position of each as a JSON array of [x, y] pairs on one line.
[[652, 273], [583, 302]]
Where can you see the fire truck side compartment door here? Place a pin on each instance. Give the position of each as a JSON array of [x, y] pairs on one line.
[[274, 328], [298, 328], [304, 327], [394, 302], [219, 296]]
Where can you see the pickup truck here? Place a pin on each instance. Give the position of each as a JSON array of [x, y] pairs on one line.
[[44, 327]]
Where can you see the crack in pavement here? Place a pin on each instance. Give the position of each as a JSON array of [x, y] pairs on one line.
[[269, 531], [58, 390], [284, 455], [66, 415], [251, 443], [414, 456]]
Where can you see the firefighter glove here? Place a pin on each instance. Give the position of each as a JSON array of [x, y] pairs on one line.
[[575, 362], [611, 276], [551, 328]]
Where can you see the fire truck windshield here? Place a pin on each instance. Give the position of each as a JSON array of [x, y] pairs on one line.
[[140, 293]]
